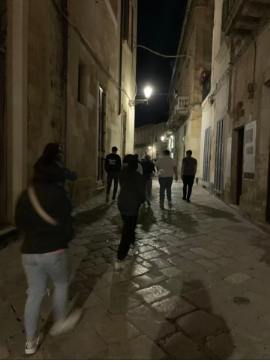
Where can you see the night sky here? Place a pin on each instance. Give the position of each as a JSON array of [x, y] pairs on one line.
[[159, 28]]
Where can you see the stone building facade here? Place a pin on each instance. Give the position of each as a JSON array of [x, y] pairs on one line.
[[151, 140], [195, 50], [235, 137], [70, 70]]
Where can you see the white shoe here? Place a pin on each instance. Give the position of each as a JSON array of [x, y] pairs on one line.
[[32, 346], [119, 266], [68, 324], [134, 250]]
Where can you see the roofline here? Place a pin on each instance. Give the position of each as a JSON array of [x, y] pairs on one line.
[[188, 8], [150, 124]]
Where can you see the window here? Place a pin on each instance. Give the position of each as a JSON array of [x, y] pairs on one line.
[[185, 130], [156, 138], [218, 182], [128, 23], [82, 90], [101, 136]]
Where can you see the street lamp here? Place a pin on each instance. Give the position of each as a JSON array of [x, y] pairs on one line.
[[162, 138], [147, 92], [149, 147]]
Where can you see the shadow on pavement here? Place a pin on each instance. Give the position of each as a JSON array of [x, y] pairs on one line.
[[216, 213], [89, 216], [181, 220], [146, 218], [203, 326]]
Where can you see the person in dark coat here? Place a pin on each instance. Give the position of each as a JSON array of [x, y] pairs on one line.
[[43, 217], [113, 165], [131, 197], [50, 167]]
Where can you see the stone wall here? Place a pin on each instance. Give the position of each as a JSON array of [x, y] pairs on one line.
[[46, 82], [197, 41], [56, 112]]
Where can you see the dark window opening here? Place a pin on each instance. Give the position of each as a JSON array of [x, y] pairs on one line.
[[128, 23], [206, 87], [82, 91]]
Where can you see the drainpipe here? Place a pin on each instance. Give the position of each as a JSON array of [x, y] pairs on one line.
[[230, 81], [120, 58]]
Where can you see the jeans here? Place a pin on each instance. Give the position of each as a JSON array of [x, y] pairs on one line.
[[112, 176], [38, 267], [165, 184], [188, 184], [128, 235]]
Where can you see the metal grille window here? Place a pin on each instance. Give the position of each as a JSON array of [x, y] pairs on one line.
[[219, 160], [207, 155], [101, 136]]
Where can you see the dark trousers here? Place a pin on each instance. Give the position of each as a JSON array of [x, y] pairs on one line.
[[112, 176], [188, 184], [165, 184], [128, 235], [148, 187]]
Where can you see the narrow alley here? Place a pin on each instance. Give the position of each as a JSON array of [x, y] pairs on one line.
[[198, 288]]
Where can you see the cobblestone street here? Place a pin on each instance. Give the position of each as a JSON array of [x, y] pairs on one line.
[[198, 287]]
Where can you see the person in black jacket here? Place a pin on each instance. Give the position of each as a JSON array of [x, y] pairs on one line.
[[43, 217], [113, 166], [148, 172], [131, 197]]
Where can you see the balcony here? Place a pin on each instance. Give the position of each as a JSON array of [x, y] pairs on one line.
[[180, 113], [243, 17]]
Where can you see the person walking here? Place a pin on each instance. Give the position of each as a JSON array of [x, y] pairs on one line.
[[49, 165], [131, 197], [113, 166], [43, 217], [188, 172], [148, 172], [167, 169], [139, 165]]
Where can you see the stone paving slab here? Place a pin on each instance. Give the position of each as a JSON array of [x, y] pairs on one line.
[[179, 297]]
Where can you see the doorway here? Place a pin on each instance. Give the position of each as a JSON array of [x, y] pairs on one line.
[[240, 159], [101, 136], [3, 142], [124, 134], [207, 155]]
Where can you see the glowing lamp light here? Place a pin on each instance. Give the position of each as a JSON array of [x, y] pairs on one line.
[[162, 138], [149, 147], [147, 92]]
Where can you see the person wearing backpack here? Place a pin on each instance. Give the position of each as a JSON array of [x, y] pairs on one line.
[[43, 217], [113, 166]]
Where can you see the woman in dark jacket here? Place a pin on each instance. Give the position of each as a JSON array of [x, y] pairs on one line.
[[43, 216], [131, 197]]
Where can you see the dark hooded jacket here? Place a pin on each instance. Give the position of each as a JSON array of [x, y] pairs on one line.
[[38, 235], [132, 194]]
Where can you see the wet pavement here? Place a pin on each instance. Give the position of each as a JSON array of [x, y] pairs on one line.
[[197, 289]]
